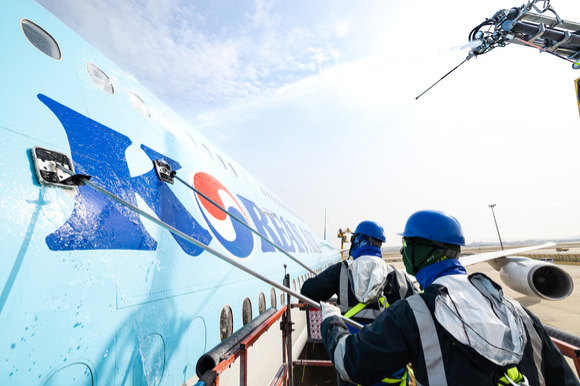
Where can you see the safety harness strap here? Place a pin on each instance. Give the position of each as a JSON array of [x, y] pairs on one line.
[[513, 377], [355, 310], [403, 284], [429, 341], [360, 312]]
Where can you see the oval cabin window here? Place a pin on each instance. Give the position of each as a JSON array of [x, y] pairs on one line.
[[226, 322], [273, 298], [40, 39], [261, 303], [246, 311], [100, 78]]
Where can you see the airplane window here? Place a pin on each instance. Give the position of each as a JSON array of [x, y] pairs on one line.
[[261, 303], [40, 39], [99, 78], [273, 298], [139, 105], [221, 161], [294, 284], [246, 311], [282, 299], [226, 322], [207, 150], [232, 169]]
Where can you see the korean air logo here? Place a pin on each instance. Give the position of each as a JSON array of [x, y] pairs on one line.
[[232, 235]]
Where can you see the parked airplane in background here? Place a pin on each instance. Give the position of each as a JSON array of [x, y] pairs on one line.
[[93, 292]]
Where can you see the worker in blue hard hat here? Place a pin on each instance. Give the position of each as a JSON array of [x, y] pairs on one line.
[[461, 330], [364, 284]]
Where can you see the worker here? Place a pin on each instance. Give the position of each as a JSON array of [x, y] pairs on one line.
[[461, 330], [364, 284]]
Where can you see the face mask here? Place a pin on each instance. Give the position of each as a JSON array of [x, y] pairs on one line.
[[358, 241], [406, 251], [417, 255]]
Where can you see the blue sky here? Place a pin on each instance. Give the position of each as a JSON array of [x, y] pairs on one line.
[[317, 100]]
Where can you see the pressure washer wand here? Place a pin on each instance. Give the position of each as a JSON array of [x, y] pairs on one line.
[[81, 179], [165, 174], [471, 55], [246, 225]]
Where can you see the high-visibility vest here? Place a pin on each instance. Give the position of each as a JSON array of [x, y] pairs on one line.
[[432, 348]]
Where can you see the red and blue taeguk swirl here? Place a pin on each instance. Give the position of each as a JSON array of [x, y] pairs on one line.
[[232, 235]]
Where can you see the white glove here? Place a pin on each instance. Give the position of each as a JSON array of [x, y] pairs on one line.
[[329, 310]]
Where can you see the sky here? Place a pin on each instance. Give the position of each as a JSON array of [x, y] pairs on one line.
[[317, 99]]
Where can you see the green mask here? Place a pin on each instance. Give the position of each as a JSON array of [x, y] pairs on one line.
[[406, 251], [419, 254]]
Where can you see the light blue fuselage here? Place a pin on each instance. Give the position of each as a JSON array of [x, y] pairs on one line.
[[91, 292]]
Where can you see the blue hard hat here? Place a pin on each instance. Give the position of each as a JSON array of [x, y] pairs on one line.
[[435, 226], [371, 229]]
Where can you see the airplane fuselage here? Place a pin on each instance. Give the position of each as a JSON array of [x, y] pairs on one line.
[[92, 292]]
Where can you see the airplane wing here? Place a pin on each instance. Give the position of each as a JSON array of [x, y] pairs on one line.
[[481, 257], [527, 276]]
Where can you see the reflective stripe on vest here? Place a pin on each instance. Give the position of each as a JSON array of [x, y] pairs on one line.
[[343, 288], [429, 341], [533, 334]]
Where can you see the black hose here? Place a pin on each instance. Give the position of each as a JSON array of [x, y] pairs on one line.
[[474, 30], [210, 359]]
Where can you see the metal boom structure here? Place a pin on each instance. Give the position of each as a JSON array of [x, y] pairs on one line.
[[529, 25]]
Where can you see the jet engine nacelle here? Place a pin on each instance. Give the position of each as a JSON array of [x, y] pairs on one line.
[[536, 278]]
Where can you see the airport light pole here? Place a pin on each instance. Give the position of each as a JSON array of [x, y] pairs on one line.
[[496, 227]]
